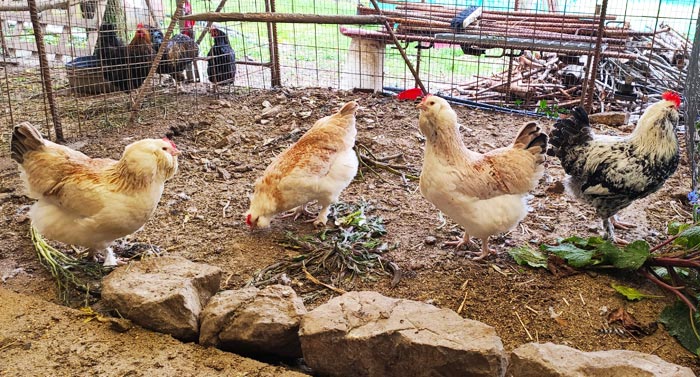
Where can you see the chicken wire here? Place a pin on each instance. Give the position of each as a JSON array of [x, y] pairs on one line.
[[511, 56]]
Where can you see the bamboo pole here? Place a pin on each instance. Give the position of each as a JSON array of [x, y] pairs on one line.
[[299, 18], [45, 72], [141, 92]]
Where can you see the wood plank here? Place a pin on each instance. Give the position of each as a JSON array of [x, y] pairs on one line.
[[14, 44]]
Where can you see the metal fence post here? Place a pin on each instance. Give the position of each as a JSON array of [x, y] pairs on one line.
[[692, 90]]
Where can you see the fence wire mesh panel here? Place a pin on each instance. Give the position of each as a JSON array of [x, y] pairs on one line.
[[533, 55]]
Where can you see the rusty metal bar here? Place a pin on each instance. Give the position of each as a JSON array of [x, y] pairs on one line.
[[596, 58], [45, 71], [286, 18]]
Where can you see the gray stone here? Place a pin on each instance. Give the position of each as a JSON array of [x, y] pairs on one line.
[[254, 321], [553, 360], [164, 294], [367, 334]]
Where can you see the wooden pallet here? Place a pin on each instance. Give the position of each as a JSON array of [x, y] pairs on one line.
[[20, 36]]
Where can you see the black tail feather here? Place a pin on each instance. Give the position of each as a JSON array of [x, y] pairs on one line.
[[569, 132]]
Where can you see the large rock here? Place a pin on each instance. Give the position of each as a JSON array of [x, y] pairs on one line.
[[164, 294], [367, 334], [553, 360], [252, 321]]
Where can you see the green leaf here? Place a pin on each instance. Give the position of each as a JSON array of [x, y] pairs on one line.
[[574, 256], [525, 255], [632, 257], [631, 293], [676, 227], [677, 320], [689, 238]]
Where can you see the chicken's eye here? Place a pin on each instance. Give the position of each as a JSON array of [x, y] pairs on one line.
[[165, 148]]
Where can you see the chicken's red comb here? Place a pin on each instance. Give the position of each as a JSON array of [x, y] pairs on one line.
[[410, 94], [140, 25], [171, 143], [672, 97], [425, 98], [248, 220]]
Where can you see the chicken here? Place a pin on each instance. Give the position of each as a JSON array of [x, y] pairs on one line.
[[180, 52], [484, 193], [141, 56], [610, 172], [319, 166], [89, 201], [113, 56], [221, 65]]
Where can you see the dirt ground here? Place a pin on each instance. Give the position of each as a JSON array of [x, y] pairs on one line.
[[226, 147]]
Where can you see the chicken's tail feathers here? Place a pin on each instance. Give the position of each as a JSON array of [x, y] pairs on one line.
[[349, 108], [569, 132], [538, 145], [529, 132], [25, 138]]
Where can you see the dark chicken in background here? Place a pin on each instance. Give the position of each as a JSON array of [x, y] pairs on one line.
[[221, 63], [610, 172], [113, 56], [179, 53], [141, 56]]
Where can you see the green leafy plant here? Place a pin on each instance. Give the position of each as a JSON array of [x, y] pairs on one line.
[[550, 110], [673, 265], [353, 248]]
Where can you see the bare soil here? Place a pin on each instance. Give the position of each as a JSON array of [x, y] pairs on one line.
[[226, 148]]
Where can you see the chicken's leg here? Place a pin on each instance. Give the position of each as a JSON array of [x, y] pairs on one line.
[[323, 214], [610, 232], [485, 250], [109, 261], [621, 225], [466, 240], [297, 212]]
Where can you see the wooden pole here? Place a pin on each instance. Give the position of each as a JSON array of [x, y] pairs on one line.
[[45, 72], [596, 58], [400, 48], [141, 92], [275, 74], [298, 18], [218, 9]]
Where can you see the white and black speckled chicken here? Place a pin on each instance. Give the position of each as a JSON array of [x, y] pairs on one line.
[[610, 172]]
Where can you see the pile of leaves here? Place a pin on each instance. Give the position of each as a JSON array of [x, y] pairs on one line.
[[673, 265], [333, 257]]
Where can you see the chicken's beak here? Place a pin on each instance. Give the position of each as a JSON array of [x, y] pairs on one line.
[[422, 106], [175, 152]]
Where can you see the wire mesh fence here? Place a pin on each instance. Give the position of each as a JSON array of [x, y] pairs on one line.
[[534, 55]]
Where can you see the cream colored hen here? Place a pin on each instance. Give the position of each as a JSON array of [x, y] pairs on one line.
[[318, 167], [484, 193], [86, 201]]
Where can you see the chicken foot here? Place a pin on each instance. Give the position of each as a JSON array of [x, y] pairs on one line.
[[110, 259], [621, 225], [608, 225], [466, 240], [297, 212], [485, 250]]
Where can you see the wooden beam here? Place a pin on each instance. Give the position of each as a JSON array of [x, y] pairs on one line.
[[61, 4], [298, 18]]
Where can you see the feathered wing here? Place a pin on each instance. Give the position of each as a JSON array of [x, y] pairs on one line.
[[57, 173], [510, 170], [570, 140]]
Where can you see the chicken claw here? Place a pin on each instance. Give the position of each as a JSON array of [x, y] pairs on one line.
[[485, 250], [466, 240], [297, 212], [621, 225]]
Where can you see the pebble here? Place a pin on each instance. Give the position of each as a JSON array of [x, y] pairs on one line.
[[430, 240]]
